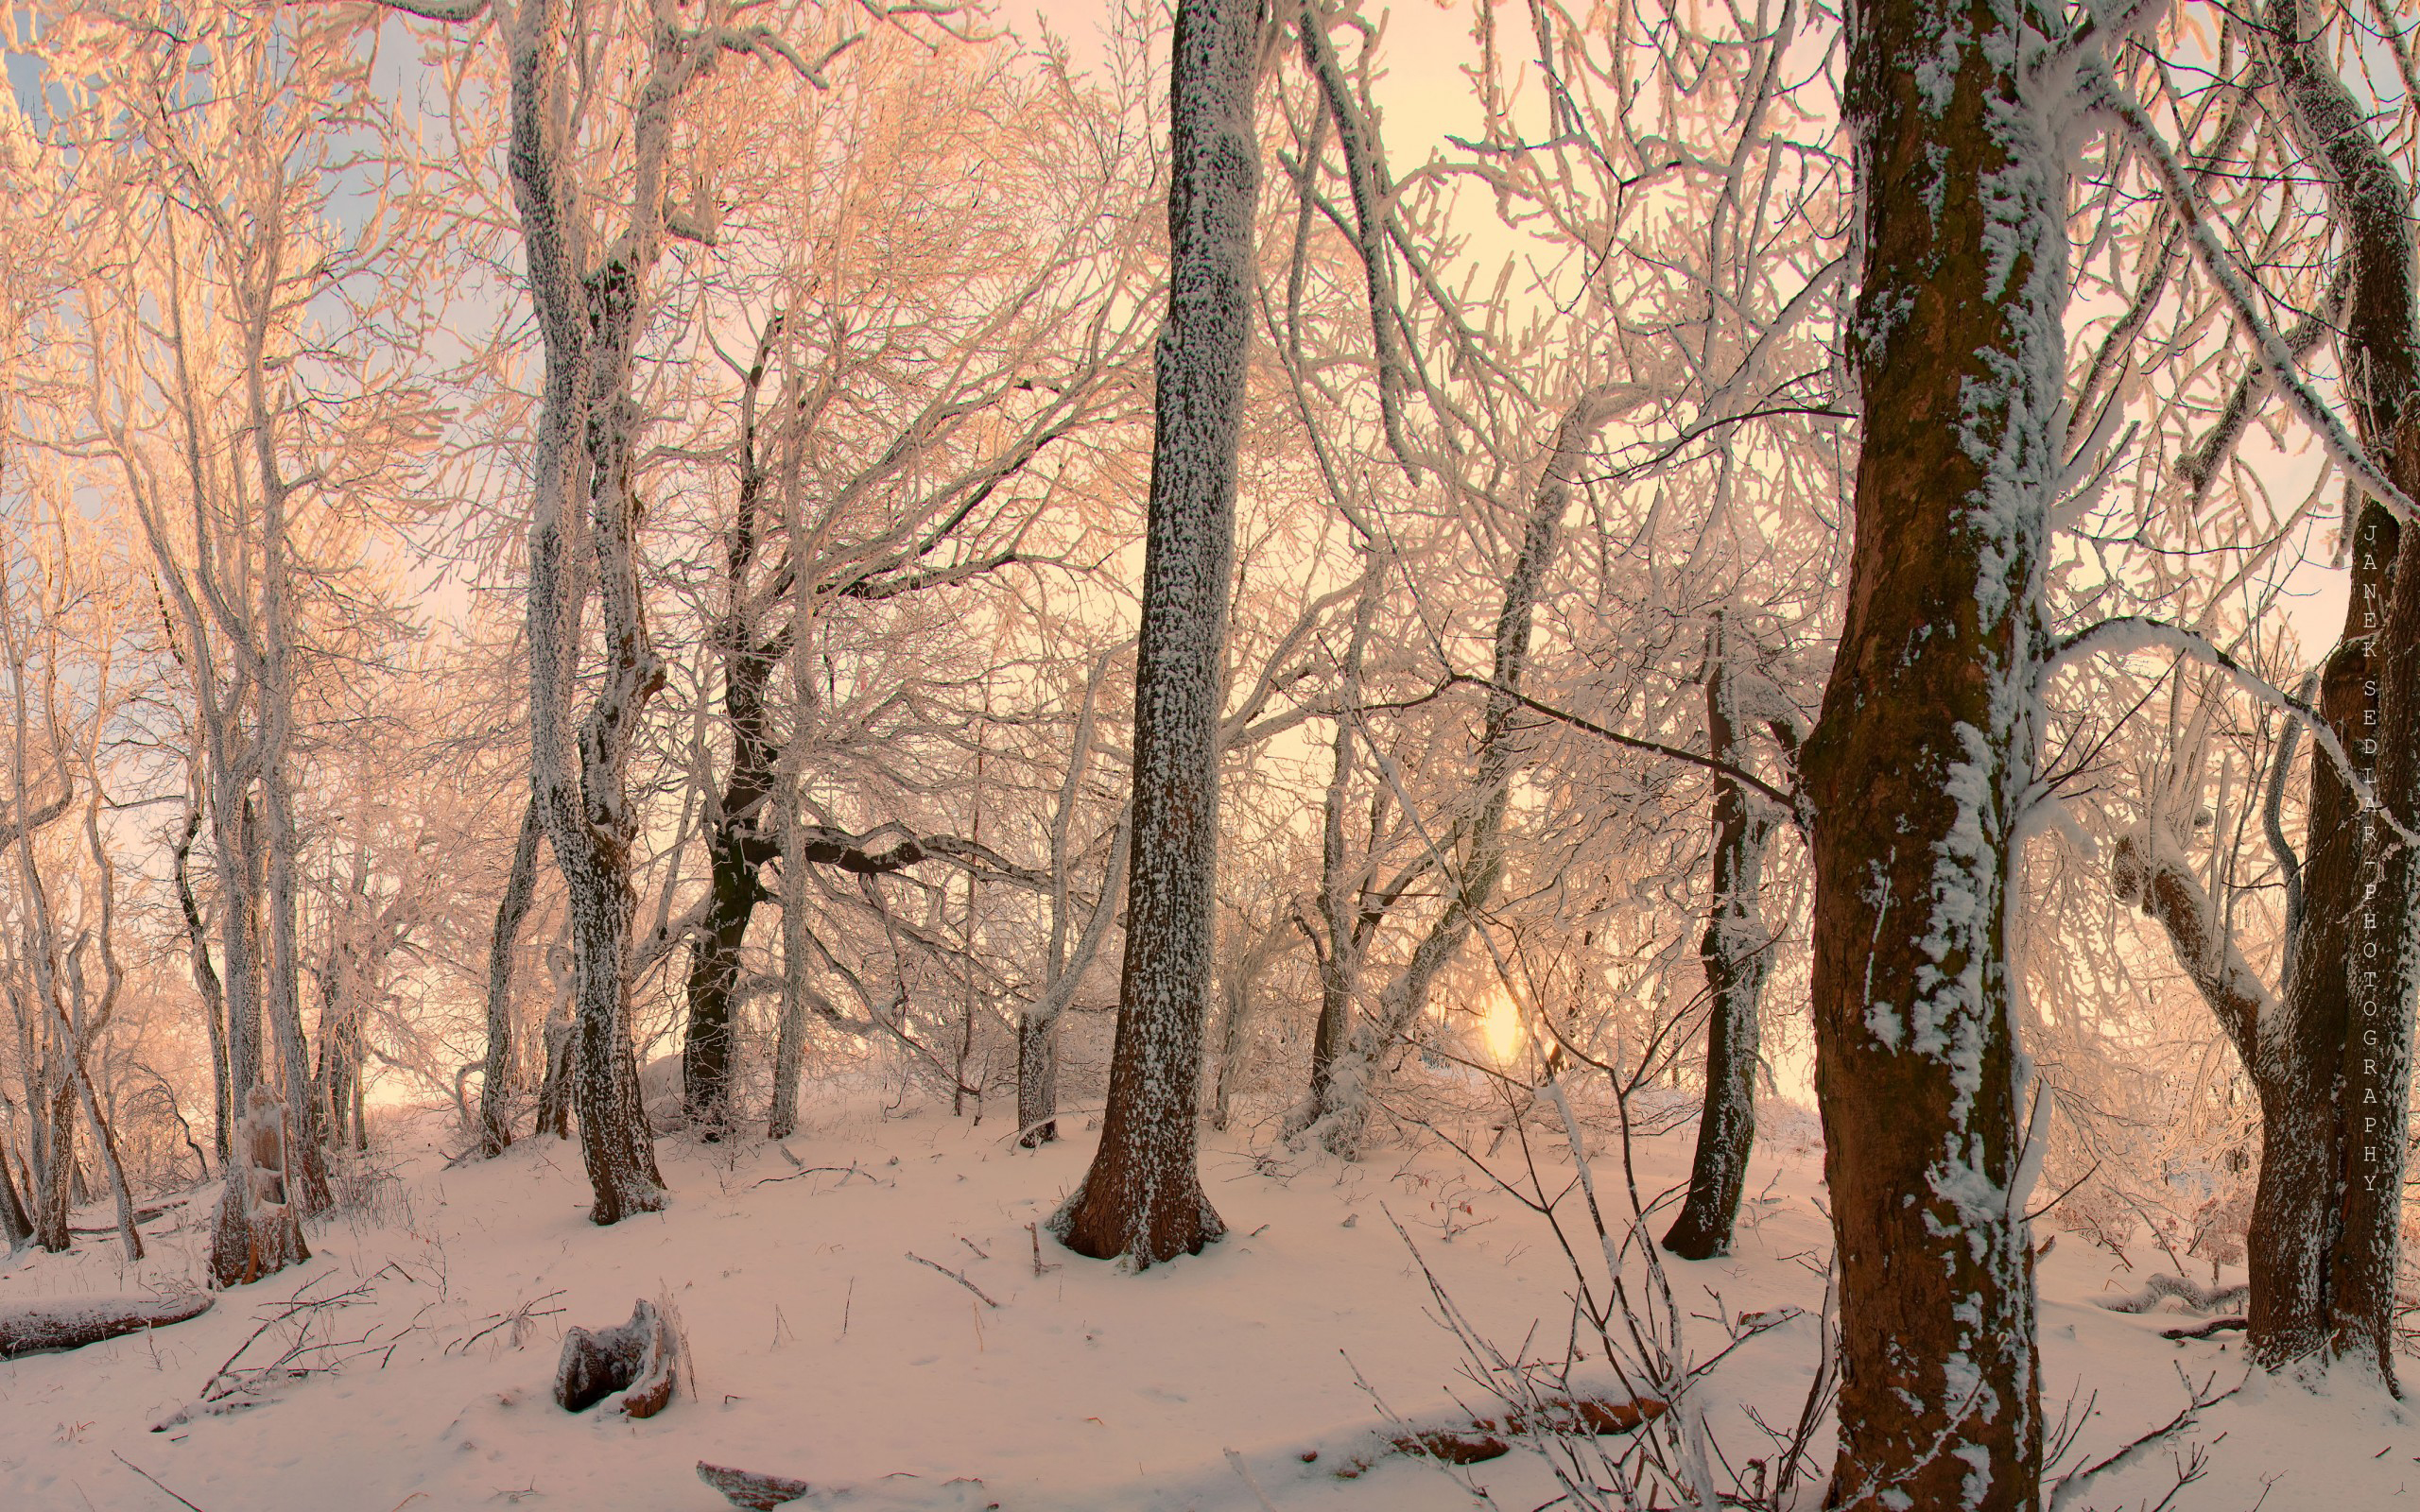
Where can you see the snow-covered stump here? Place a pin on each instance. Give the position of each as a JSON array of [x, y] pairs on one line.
[[753, 1490], [72, 1322], [256, 1231], [639, 1359]]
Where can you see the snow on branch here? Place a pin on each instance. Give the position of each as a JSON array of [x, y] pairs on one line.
[[2140, 632], [2275, 352], [828, 847], [1788, 802]]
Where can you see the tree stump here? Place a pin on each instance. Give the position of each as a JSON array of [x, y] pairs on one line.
[[256, 1232], [639, 1359]]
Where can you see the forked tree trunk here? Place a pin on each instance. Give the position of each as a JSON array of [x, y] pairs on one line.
[[1924, 757], [1142, 1198], [1736, 952]]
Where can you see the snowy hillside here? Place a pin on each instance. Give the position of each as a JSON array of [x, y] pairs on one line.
[[824, 1350]]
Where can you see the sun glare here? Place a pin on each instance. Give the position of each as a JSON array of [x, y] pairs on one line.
[[1502, 1027]]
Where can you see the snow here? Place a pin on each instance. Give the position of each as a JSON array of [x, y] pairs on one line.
[[822, 1353]]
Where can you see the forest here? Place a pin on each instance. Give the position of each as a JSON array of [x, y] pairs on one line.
[[1209, 755]]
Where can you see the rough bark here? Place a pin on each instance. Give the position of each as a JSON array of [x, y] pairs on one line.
[[16, 1225], [70, 1323], [1736, 952], [495, 1086], [1925, 755], [1142, 1198], [2358, 961], [639, 1359], [256, 1231]]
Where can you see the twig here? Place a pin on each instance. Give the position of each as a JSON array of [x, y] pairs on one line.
[[952, 1276], [1236, 1462], [148, 1476], [844, 1172], [1034, 1230]]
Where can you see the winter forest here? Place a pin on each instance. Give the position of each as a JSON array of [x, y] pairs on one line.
[[1218, 757]]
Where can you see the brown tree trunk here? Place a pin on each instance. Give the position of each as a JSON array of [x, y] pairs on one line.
[[2351, 1036], [1736, 952], [1925, 754], [1142, 1198]]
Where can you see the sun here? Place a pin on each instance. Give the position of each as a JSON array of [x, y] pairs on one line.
[[1502, 1027]]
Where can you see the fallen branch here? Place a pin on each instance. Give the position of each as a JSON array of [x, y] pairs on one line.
[[1476, 1440], [952, 1276], [2215, 1325], [153, 1479], [753, 1490], [2160, 1288], [70, 1323]]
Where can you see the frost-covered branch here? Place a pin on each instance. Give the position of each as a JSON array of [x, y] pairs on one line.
[[2139, 632], [2275, 355]]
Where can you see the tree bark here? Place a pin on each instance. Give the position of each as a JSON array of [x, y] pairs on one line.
[[205, 980], [2350, 1024], [1736, 953], [495, 1086], [1925, 756], [1142, 1198]]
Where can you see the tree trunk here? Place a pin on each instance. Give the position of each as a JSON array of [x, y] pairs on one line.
[[495, 1086], [2332, 1281], [254, 1233], [738, 844], [16, 1225], [205, 981], [588, 319], [1736, 952], [1142, 1198], [1925, 756], [1038, 1026]]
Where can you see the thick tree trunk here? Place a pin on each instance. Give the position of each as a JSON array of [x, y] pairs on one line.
[[255, 1232], [1142, 1200], [495, 1086], [1925, 756], [2350, 1037], [1736, 952], [588, 319]]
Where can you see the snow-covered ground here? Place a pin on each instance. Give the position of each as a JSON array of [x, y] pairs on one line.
[[823, 1352]]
